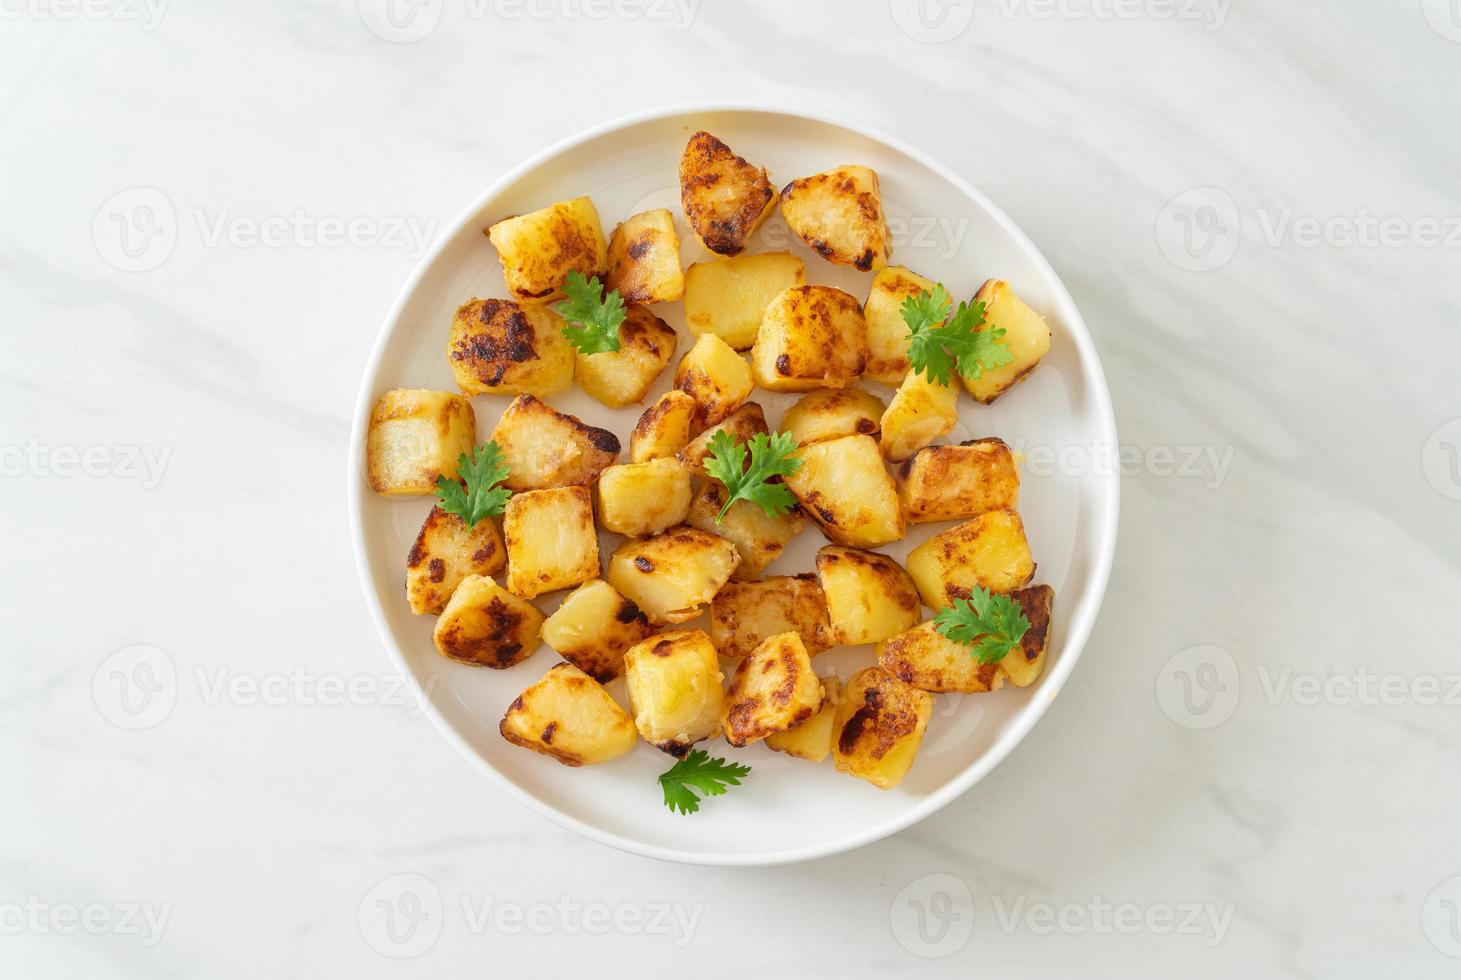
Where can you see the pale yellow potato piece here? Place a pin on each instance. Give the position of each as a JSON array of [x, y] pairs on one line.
[[486, 626], [920, 412], [545, 448], [569, 717], [416, 435], [715, 376], [644, 259], [772, 690], [497, 347], [988, 552], [551, 541], [624, 376], [447, 551], [1024, 666], [664, 429], [759, 538], [887, 331], [839, 214], [844, 487], [953, 483], [832, 413], [810, 337], [879, 727], [640, 499], [671, 575], [675, 693], [869, 596], [727, 297], [1026, 333], [746, 614], [930, 661], [539, 249], [593, 628], [812, 739]]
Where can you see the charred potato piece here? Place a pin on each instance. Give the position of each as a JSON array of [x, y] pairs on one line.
[[1024, 666], [1025, 331], [869, 596], [810, 337], [839, 214], [724, 197], [675, 692], [640, 499], [486, 626], [447, 551], [415, 436], [671, 575], [568, 716], [497, 347], [833, 413], [742, 424], [539, 249], [844, 487], [773, 689], [930, 661], [887, 333], [551, 542], [546, 448], [664, 429], [727, 297], [879, 727], [952, 483], [746, 614], [623, 377], [644, 259], [988, 552], [759, 538], [593, 628], [716, 377], [920, 412], [812, 739]]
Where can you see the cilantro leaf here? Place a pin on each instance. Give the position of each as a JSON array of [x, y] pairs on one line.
[[940, 345], [697, 771], [990, 625], [771, 456], [475, 495], [597, 316]]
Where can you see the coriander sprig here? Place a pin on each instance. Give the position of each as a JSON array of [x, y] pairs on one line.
[[697, 771], [481, 497], [940, 345], [771, 456], [597, 317], [990, 625]]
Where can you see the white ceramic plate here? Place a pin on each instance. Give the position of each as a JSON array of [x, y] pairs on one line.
[[788, 809]]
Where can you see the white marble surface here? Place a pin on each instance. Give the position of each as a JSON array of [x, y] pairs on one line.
[[1264, 820]]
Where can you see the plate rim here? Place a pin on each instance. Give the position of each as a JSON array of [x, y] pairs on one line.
[[1078, 632]]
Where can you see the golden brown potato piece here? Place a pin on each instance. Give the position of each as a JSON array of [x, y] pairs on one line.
[[497, 347], [415, 436], [952, 483], [640, 499], [716, 377], [1024, 666], [887, 332], [880, 724], [930, 661], [539, 249], [665, 427], [546, 448], [839, 214], [593, 628], [919, 413], [623, 377], [832, 413], [844, 487], [724, 197], [810, 337], [644, 259], [727, 297], [869, 596], [1026, 333], [551, 542], [742, 424], [988, 552], [671, 575], [773, 689], [759, 538], [486, 626], [812, 739], [675, 692], [746, 614], [568, 716], [447, 551]]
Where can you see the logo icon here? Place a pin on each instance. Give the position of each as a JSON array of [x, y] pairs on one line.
[[136, 229], [1199, 687], [400, 21], [1441, 460], [933, 916], [932, 21], [1440, 917], [1444, 16], [1199, 230], [400, 916], [136, 687]]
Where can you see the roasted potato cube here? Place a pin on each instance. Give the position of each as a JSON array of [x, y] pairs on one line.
[[497, 347], [988, 552], [716, 377], [447, 551], [746, 614], [623, 377], [812, 739], [869, 596], [920, 412], [1024, 666], [833, 413], [880, 724], [593, 627], [415, 436], [843, 486], [644, 259], [930, 661], [568, 716], [675, 692], [546, 448], [742, 424], [640, 499], [810, 337], [759, 538], [724, 197], [952, 483], [839, 214], [486, 626], [671, 575], [727, 297], [539, 249], [664, 429], [1025, 331], [887, 332], [551, 542], [772, 690]]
